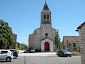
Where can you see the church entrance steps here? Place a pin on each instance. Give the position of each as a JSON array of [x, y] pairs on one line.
[[38, 54]]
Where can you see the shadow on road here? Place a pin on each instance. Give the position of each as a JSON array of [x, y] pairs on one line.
[[2, 61]]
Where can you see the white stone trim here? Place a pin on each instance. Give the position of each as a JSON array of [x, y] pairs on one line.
[[50, 44]]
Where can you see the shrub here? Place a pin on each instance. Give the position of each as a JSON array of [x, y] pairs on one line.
[[74, 53], [18, 48]]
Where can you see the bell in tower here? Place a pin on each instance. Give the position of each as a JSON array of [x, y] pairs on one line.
[[45, 15]]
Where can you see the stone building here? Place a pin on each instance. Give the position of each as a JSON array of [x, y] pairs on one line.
[[43, 37], [81, 30], [71, 43]]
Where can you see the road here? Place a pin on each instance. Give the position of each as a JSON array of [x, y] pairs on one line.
[[43, 58]]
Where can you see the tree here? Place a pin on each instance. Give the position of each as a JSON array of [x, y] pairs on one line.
[[22, 46], [57, 41], [6, 37]]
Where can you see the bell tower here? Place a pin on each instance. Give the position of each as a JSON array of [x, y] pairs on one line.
[[45, 15]]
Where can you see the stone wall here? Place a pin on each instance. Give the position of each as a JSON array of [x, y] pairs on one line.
[[68, 42], [39, 34], [81, 30]]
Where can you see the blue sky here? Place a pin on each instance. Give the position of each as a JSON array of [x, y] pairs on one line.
[[24, 16]]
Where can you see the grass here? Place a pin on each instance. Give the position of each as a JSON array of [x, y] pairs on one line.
[[74, 53], [18, 48]]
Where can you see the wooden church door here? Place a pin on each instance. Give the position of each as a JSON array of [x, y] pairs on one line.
[[46, 46]]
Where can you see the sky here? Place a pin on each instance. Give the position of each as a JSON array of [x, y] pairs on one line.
[[24, 16]]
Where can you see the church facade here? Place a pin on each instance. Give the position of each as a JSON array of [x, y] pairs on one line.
[[43, 37]]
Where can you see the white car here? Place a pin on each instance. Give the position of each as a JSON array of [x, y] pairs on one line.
[[6, 55], [32, 50]]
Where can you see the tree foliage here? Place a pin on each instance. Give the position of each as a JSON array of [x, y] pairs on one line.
[[22, 46], [57, 41], [6, 37]]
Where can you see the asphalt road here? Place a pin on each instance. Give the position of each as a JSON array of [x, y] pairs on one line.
[[25, 59]]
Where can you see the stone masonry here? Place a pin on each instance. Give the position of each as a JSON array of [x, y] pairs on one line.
[[81, 30], [42, 39], [71, 43]]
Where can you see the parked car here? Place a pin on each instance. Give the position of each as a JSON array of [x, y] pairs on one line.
[[29, 51], [26, 51], [15, 53], [6, 55], [32, 51], [64, 52]]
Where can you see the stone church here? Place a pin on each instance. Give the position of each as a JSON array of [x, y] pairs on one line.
[[43, 38]]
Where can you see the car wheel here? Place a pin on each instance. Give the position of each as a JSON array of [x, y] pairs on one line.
[[15, 57], [8, 59], [69, 55], [58, 55]]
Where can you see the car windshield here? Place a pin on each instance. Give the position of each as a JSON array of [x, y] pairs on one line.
[[65, 50]]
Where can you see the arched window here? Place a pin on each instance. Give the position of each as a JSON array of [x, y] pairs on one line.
[[47, 16], [44, 16], [46, 27]]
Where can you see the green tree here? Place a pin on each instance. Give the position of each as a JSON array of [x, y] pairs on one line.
[[23, 46], [57, 41], [6, 37]]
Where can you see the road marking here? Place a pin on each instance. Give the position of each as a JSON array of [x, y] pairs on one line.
[[24, 60]]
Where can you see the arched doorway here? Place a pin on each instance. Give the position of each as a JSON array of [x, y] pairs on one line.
[[46, 46]]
